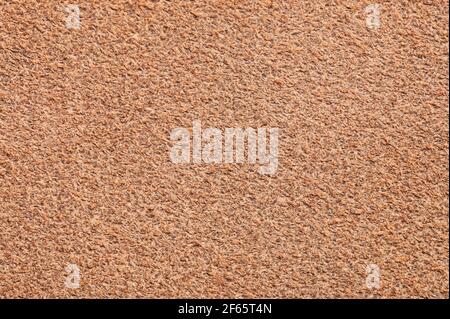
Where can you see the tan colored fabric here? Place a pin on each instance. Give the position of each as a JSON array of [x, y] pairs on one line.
[[85, 174]]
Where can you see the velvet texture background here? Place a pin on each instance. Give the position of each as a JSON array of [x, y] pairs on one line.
[[85, 174]]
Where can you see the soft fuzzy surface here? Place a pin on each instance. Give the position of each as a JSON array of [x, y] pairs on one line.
[[85, 174]]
